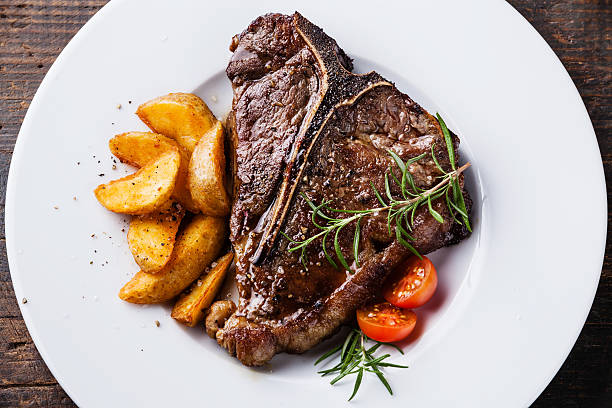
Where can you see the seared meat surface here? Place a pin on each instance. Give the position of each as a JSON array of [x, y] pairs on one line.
[[302, 124]]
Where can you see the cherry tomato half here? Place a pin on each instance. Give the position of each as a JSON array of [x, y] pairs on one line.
[[385, 322], [412, 284]]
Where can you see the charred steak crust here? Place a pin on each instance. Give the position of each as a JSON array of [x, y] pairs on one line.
[[302, 123]]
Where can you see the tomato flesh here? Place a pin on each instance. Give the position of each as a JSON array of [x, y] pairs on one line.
[[385, 322], [412, 284]]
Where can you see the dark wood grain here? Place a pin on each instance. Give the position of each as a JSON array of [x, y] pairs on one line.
[[32, 33]]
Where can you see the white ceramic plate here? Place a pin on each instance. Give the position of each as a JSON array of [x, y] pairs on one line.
[[512, 298]]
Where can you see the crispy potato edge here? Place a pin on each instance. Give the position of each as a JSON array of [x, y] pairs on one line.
[[189, 308]]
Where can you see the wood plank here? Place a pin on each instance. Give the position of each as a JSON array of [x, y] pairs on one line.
[[35, 396], [21, 363]]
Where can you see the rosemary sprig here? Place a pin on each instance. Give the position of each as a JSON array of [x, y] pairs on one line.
[[355, 358], [400, 212]]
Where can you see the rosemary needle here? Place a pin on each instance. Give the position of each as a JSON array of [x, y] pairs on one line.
[[356, 358]]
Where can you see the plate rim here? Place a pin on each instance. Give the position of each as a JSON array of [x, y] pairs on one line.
[[603, 189]]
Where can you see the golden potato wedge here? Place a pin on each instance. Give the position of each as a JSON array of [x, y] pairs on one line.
[[144, 191], [195, 248], [151, 236], [189, 309], [138, 148], [206, 177], [181, 116]]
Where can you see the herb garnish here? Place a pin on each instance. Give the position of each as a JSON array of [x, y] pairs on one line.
[[355, 358], [400, 212]]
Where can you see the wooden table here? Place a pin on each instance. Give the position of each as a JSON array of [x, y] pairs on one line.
[[33, 32]]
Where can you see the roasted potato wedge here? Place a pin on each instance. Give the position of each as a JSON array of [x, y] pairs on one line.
[[195, 248], [181, 116], [145, 191], [151, 236], [206, 177], [139, 148], [189, 309]]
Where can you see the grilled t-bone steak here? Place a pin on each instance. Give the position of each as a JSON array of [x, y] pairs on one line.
[[302, 123]]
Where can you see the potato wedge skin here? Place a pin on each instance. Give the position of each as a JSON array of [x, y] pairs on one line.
[[195, 248], [151, 236], [183, 117], [139, 148], [145, 191], [206, 177], [189, 309]]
